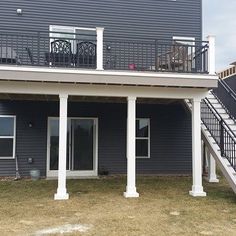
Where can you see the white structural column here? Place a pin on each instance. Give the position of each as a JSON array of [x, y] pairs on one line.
[[61, 190], [99, 31], [212, 178], [197, 189], [211, 55], [131, 155]]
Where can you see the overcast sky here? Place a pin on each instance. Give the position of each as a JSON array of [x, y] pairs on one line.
[[219, 19]]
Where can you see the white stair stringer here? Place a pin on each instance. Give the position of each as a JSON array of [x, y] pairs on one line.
[[214, 149], [222, 162]]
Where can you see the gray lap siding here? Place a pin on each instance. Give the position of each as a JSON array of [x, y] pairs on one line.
[[170, 133], [134, 18]]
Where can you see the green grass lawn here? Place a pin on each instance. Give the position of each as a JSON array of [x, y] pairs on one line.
[[163, 208]]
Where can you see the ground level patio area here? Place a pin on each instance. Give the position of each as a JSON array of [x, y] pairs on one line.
[[97, 207]]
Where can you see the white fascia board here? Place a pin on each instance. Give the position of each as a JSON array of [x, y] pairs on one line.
[[107, 77], [19, 87]]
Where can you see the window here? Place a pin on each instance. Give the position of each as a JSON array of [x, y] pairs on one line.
[[184, 40], [74, 35], [142, 138], [187, 41], [188, 51], [7, 136]]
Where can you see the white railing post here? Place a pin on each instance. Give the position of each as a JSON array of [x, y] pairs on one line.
[[197, 189], [211, 55], [99, 31], [61, 190], [131, 155], [212, 177]]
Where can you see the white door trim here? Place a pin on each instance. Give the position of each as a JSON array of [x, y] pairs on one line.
[[79, 173]]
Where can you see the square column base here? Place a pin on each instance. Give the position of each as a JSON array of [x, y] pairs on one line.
[[213, 180], [197, 194], [131, 194], [59, 196], [197, 191]]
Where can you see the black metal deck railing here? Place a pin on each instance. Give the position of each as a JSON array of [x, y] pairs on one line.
[[54, 49], [76, 50], [227, 97], [156, 55], [220, 131]]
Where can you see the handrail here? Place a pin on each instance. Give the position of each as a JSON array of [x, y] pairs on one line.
[[227, 97], [157, 55], [228, 89], [220, 118], [119, 53], [220, 132], [112, 37]]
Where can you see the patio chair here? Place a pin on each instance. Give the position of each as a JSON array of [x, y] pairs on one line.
[[61, 54], [30, 55], [175, 59], [86, 55]]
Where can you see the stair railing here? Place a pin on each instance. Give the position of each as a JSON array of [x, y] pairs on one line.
[[226, 97], [220, 131]]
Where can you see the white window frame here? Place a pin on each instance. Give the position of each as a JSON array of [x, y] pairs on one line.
[[13, 137], [144, 138], [186, 41]]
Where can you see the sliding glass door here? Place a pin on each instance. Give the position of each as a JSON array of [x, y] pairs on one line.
[[82, 144], [81, 147]]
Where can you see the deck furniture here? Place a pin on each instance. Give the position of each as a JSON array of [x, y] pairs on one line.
[[8, 55], [85, 55], [175, 59], [60, 54]]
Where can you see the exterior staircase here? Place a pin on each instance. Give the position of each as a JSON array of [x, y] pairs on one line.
[[219, 134]]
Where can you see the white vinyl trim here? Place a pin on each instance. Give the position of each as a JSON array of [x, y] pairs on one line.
[[61, 27], [179, 38], [145, 138], [13, 137], [75, 173], [185, 40]]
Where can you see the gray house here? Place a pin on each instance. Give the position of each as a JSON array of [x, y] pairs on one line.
[[99, 87]]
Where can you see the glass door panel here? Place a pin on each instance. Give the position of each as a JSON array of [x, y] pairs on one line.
[[82, 144], [54, 144]]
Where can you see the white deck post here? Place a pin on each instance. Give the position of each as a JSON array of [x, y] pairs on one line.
[[99, 31], [211, 55], [197, 189], [61, 190], [131, 155], [212, 178]]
